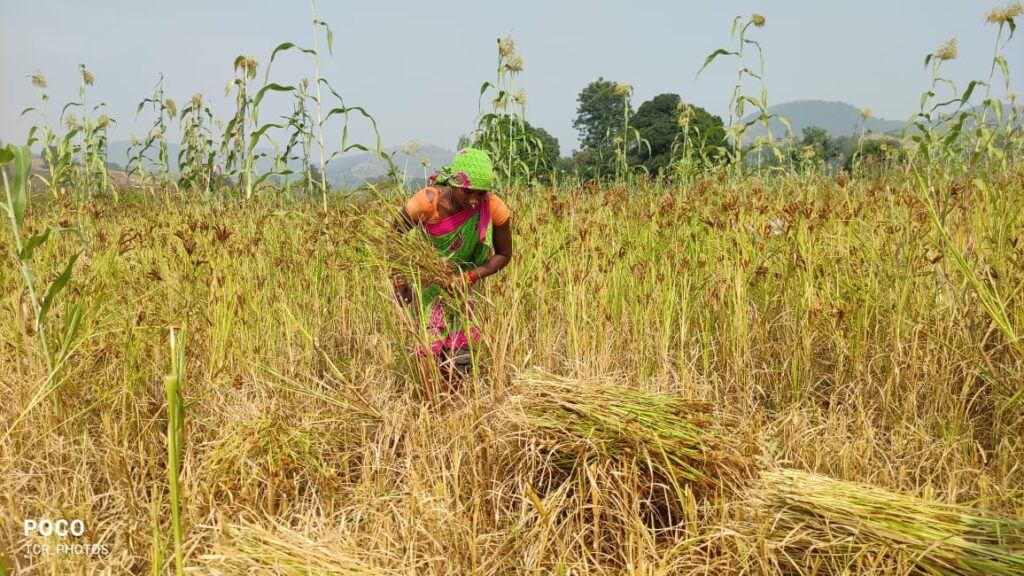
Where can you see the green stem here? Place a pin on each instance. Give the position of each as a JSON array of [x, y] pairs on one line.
[[26, 274], [319, 115]]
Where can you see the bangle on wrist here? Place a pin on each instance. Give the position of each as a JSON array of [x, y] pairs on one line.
[[471, 277]]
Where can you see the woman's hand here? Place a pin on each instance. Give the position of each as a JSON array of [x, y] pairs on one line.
[[460, 282], [403, 292]]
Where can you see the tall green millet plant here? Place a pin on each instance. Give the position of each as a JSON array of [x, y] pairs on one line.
[[299, 125], [985, 137], [737, 104], [300, 141], [91, 173], [518, 153], [93, 148], [58, 151], [938, 125], [175, 425], [76, 160], [198, 153], [156, 139], [35, 304], [860, 133], [628, 140], [235, 143]]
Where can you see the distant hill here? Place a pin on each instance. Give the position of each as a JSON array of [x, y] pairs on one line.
[[838, 118], [354, 168], [349, 170]]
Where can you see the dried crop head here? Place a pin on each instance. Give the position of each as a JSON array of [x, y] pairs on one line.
[[87, 76], [1005, 14], [247, 65], [506, 47], [38, 80], [515, 63], [758, 20], [947, 51]]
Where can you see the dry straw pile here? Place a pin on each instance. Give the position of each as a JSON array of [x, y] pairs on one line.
[[830, 526], [678, 441]]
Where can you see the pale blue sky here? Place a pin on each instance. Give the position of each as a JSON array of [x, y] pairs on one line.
[[418, 66]]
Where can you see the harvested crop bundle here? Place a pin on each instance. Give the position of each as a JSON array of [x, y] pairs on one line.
[[410, 254], [679, 441], [844, 527]]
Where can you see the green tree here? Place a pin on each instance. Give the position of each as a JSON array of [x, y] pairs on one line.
[[539, 152], [874, 153], [599, 119], [551, 151], [817, 145], [673, 129]]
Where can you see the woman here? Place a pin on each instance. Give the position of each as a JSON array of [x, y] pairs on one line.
[[467, 222]]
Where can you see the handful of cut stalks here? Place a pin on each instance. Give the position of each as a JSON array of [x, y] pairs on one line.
[[842, 527], [680, 441], [410, 255]]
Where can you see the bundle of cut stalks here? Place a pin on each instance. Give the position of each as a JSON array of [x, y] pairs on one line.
[[841, 528], [679, 441], [410, 255]]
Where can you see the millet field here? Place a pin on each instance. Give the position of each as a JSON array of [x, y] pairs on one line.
[[749, 363]]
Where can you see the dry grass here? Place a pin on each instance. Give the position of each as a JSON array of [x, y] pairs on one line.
[[823, 321]]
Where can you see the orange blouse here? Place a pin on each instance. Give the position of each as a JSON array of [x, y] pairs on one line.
[[422, 207]]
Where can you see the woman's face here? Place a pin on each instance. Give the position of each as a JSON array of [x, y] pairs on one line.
[[468, 198]]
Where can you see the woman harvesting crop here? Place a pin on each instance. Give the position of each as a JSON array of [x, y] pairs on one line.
[[468, 224]]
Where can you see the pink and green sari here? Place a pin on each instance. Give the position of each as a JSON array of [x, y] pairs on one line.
[[466, 238]]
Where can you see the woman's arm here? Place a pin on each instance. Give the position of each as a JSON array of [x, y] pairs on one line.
[[502, 252]]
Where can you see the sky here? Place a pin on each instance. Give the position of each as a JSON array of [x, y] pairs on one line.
[[417, 66]]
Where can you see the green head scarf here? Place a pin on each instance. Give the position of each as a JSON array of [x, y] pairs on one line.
[[471, 168]]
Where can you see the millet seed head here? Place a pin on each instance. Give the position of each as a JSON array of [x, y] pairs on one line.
[[947, 51], [515, 63], [865, 113], [686, 114], [247, 65], [38, 80], [1005, 14], [758, 20], [622, 89], [506, 47], [87, 76], [412, 147], [520, 97]]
